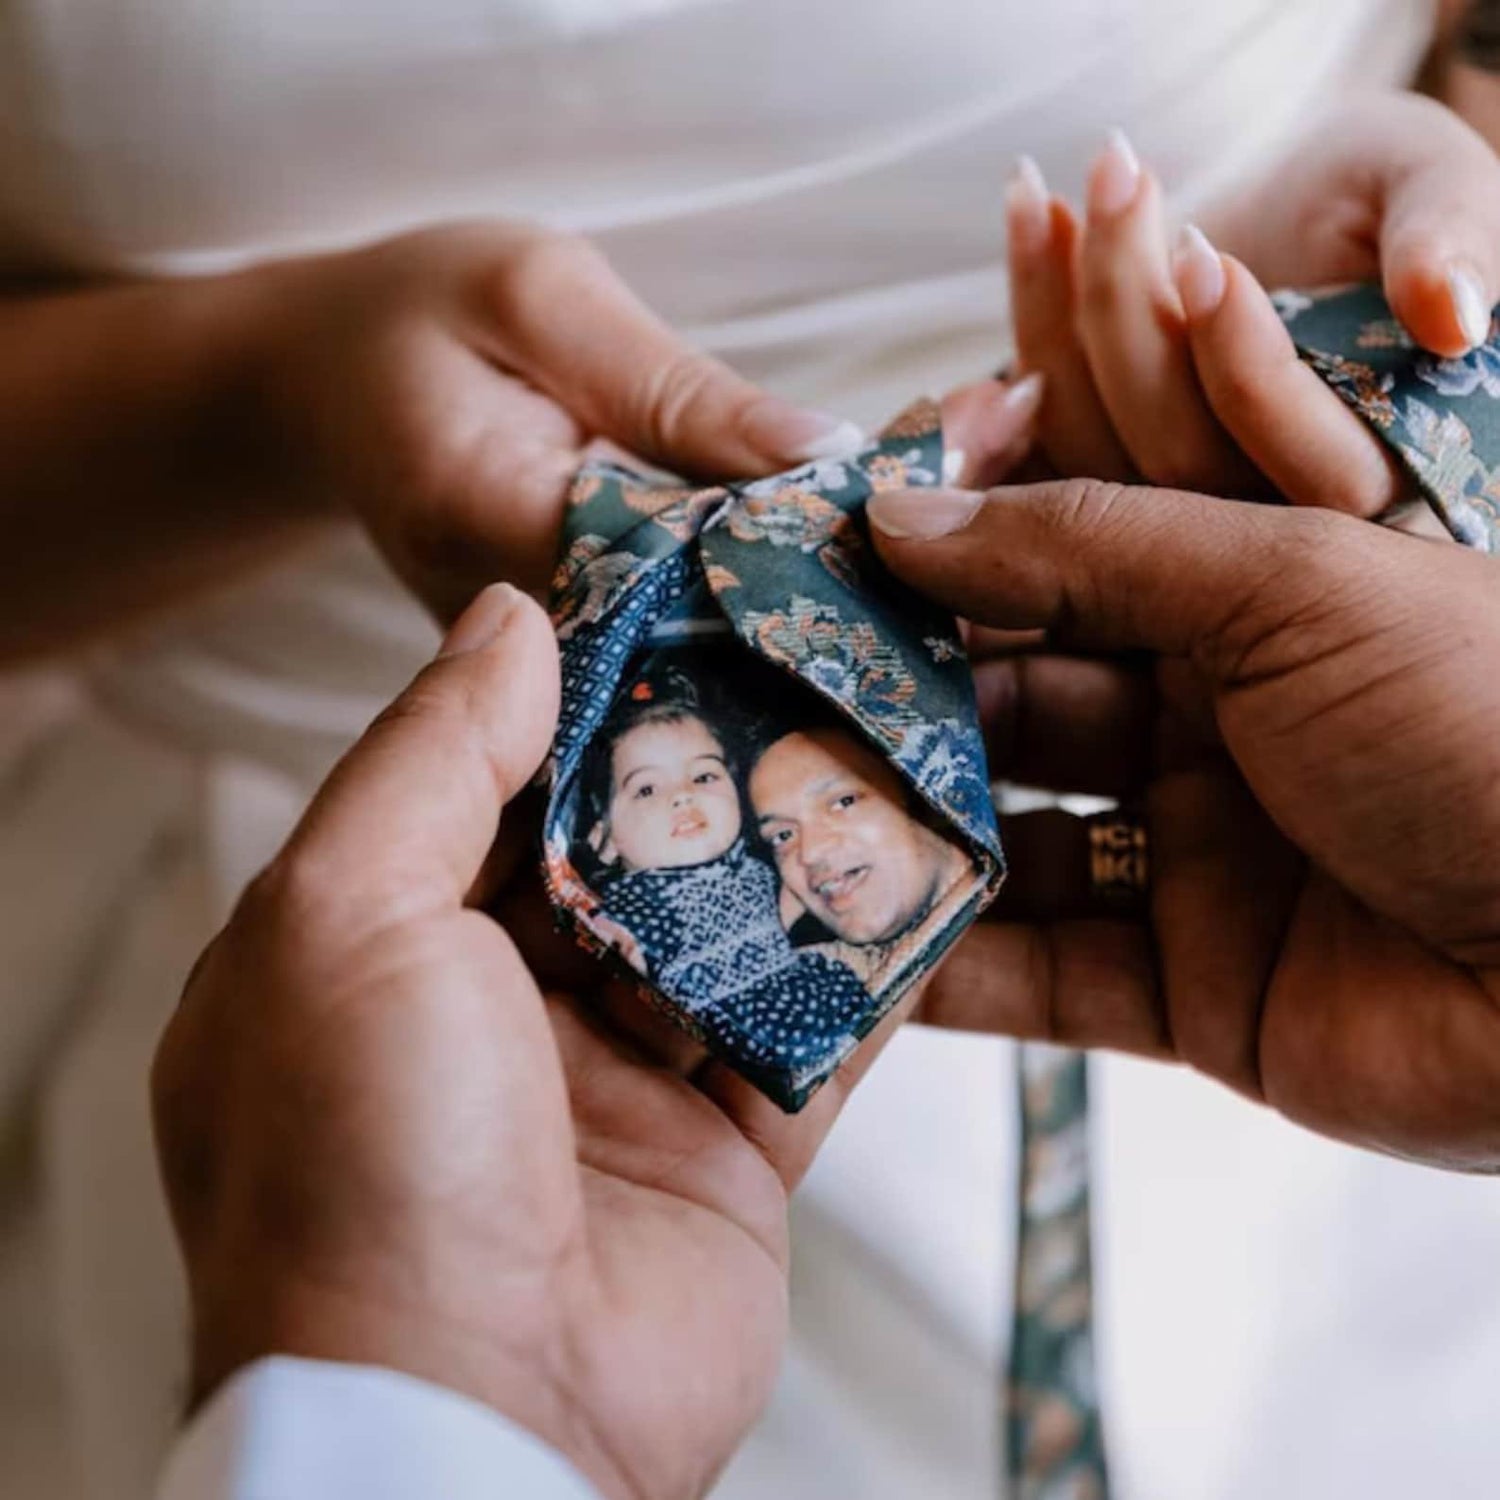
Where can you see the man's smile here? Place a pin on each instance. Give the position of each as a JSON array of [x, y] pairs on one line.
[[837, 891]]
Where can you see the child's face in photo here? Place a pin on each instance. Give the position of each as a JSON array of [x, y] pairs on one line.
[[673, 801]]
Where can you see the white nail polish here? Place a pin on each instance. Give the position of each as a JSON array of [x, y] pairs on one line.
[[791, 433], [1030, 180], [845, 438], [954, 460], [1469, 304], [1025, 396], [1116, 176], [1198, 272], [1027, 208]]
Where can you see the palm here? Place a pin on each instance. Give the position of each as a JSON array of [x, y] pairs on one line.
[[681, 1279]]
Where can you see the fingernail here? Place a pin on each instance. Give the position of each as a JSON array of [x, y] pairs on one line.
[[482, 622], [1469, 305], [1198, 272], [1115, 178], [1028, 209], [920, 515], [792, 432], [954, 460], [1024, 399]]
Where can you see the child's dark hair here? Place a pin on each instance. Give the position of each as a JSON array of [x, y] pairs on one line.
[[665, 693]]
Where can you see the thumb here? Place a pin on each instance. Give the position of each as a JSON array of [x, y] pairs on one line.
[[1113, 567], [1438, 190], [405, 820], [575, 330]]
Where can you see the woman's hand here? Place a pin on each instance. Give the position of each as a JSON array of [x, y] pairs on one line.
[[1317, 756], [389, 1139], [158, 437], [1175, 367], [155, 436], [444, 384]]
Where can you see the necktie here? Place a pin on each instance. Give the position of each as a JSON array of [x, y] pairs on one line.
[[737, 653]]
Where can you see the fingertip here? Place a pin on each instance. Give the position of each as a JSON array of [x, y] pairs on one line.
[[1027, 215], [988, 427], [922, 515], [784, 433], [505, 645], [1198, 273], [1441, 302], [482, 620]]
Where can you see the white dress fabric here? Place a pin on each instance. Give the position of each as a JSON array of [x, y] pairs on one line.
[[811, 189]]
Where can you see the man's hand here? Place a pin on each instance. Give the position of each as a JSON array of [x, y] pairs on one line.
[[1317, 751], [386, 1140]]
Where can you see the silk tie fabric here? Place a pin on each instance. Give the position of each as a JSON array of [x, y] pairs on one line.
[[718, 623]]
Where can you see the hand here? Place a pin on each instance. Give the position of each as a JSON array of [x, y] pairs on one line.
[[1317, 752], [1176, 368], [387, 1140], [445, 383]]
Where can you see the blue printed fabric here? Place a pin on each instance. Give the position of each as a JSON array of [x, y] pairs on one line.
[[782, 571], [1441, 416]]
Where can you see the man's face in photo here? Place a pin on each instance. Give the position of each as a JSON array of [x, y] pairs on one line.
[[834, 815]]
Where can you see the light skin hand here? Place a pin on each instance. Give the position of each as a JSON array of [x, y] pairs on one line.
[[158, 438], [1178, 369], [1317, 751], [388, 1138]]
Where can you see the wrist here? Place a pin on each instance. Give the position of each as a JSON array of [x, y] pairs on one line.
[[521, 1382], [250, 412]]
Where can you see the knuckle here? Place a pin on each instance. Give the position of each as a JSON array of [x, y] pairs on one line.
[[1088, 505], [536, 265], [289, 896], [672, 391]]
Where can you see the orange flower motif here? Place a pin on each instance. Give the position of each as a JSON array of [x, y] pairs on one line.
[[584, 488], [887, 472], [920, 418]]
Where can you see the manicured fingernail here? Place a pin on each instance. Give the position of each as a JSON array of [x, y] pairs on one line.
[[1470, 305], [920, 515], [482, 622], [1024, 399], [1115, 178], [778, 428], [954, 460], [1028, 210], [1198, 272]]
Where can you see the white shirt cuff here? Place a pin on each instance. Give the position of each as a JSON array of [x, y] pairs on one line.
[[285, 1429]]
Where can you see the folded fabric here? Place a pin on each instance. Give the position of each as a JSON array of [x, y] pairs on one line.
[[768, 800], [1441, 416]]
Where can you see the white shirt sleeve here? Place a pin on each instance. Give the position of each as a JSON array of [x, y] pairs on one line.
[[300, 1429]]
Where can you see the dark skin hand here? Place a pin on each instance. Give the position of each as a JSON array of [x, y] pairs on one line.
[[388, 1137], [1315, 741]]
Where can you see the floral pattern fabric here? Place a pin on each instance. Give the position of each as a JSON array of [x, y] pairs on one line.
[[1441, 416], [784, 567]]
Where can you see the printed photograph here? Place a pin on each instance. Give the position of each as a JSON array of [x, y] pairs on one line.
[[767, 869]]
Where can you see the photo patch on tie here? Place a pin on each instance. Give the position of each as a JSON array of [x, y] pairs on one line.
[[768, 795]]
